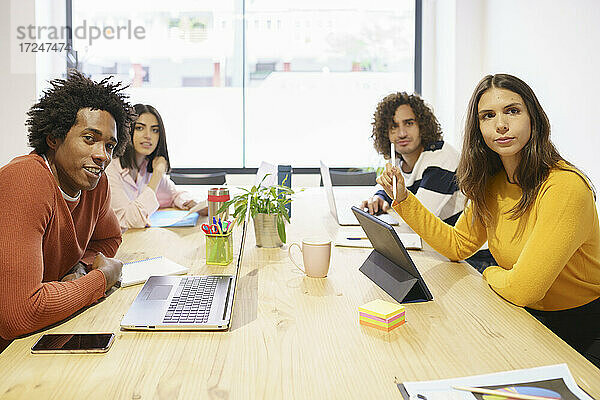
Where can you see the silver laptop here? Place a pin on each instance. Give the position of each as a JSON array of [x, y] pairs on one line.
[[343, 214], [186, 302]]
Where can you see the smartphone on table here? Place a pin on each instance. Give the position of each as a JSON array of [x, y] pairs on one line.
[[75, 343]]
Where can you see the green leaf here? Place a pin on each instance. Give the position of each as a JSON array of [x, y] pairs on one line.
[[281, 228], [283, 211]]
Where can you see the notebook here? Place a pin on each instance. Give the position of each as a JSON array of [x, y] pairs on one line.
[[343, 215], [202, 302], [139, 271], [173, 218]]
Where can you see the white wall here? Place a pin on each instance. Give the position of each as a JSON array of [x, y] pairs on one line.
[[553, 46], [550, 44], [17, 90]]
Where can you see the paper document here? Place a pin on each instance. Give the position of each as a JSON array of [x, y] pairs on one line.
[[552, 382], [172, 218], [139, 271], [263, 170], [354, 236]]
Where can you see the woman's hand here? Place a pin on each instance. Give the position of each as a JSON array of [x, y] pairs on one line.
[[159, 169], [159, 165], [386, 179], [188, 205]]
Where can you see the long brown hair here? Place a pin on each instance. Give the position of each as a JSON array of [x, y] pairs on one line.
[[128, 158], [479, 164]]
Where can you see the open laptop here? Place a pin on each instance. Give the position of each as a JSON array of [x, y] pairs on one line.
[[343, 215], [186, 302]]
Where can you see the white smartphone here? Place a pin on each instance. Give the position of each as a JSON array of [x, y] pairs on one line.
[[76, 343]]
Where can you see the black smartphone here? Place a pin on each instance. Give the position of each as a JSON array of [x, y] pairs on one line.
[[78, 343]]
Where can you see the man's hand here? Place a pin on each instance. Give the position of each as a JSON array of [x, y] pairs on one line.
[[376, 205], [76, 272], [110, 267]]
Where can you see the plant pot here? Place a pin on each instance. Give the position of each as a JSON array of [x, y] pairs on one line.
[[265, 229]]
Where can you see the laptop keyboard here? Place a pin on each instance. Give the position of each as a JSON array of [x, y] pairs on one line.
[[192, 300]]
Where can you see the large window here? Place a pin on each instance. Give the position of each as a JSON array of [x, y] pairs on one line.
[[240, 81]]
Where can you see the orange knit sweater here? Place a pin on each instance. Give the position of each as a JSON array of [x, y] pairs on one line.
[[42, 237]]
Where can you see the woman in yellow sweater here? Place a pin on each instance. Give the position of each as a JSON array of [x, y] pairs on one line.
[[536, 210]]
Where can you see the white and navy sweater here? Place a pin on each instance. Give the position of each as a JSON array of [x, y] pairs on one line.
[[433, 182]]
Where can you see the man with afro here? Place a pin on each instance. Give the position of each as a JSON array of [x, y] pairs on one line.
[[57, 229]]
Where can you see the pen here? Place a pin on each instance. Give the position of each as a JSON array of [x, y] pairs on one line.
[[393, 151], [356, 238], [502, 393], [215, 222]]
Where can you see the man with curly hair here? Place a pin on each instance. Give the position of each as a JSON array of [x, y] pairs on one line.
[[57, 229], [428, 164]]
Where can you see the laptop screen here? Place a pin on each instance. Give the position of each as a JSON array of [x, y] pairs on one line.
[[240, 256], [328, 189]]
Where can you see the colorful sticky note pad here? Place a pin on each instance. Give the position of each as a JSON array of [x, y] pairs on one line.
[[381, 315], [381, 328], [382, 309]]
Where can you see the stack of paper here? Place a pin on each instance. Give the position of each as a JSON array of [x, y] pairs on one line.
[[381, 315], [356, 237]]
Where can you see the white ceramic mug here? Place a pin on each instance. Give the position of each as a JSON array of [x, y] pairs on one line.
[[316, 254]]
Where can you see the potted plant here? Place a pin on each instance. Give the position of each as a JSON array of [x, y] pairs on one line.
[[267, 209]]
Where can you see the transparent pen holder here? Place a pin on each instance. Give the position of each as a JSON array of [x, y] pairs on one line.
[[219, 249]]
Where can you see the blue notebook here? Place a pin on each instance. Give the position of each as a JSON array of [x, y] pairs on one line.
[[173, 218]]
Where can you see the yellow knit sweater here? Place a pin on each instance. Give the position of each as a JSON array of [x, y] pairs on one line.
[[549, 259]]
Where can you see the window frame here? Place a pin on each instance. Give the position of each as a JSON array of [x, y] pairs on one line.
[[72, 63]]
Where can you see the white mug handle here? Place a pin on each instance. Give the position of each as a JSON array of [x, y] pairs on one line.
[[299, 266]]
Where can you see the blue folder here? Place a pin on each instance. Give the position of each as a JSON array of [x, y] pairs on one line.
[[166, 218]]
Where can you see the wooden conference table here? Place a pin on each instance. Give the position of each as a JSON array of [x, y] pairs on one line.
[[292, 336]]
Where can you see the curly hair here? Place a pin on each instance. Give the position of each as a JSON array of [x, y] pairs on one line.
[[56, 112], [127, 160], [430, 130]]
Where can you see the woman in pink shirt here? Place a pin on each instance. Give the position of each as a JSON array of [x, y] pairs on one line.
[[139, 182]]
